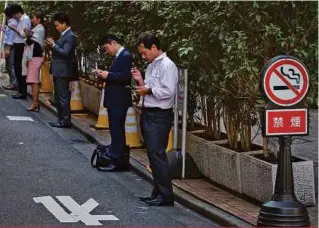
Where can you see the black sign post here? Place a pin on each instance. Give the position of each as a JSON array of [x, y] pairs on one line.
[[284, 84]]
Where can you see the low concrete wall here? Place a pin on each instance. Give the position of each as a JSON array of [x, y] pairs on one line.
[[91, 97], [258, 179]]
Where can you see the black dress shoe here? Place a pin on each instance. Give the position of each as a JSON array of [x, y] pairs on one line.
[[146, 198], [113, 168], [60, 125], [53, 123], [9, 87], [159, 202], [19, 96]]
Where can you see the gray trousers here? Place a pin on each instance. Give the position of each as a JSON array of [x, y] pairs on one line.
[[10, 67], [62, 95], [156, 125]]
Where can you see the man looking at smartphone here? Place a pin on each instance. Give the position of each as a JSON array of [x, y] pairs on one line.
[[24, 22], [157, 97], [63, 57], [117, 99]]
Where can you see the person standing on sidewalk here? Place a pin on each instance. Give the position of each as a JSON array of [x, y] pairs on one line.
[[8, 49], [117, 99], [157, 98], [63, 58], [32, 58], [24, 22]]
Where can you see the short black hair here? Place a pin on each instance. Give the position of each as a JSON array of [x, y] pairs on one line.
[[16, 8], [8, 12], [39, 15], [107, 39], [148, 39], [61, 17]]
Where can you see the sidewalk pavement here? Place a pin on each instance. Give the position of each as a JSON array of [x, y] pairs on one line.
[[200, 195]]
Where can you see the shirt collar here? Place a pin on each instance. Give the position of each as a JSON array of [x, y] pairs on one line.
[[22, 16], [161, 56], [119, 51], [65, 31]]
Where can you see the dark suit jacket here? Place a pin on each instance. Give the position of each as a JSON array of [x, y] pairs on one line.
[[63, 56], [116, 94]]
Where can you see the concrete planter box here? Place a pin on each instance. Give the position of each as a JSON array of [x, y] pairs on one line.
[[91, 97], [258, 179], [198, 148], [216, 162]]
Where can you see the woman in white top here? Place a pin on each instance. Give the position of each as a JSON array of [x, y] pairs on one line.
[[33, 58]]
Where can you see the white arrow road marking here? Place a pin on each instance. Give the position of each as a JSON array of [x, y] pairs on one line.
[[78, 212], [55, 208], [89, 205], [83, 213]]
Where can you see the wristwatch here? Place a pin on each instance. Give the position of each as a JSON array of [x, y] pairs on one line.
[[149, 91]]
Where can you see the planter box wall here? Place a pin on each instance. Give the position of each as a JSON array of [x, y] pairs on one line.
[[258, 179], [91, 97], [197, 148], [219, 164]]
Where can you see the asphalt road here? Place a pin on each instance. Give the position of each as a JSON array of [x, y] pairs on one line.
[[46, 179]]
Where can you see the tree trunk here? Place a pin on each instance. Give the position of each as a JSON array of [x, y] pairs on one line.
[[266, 147]]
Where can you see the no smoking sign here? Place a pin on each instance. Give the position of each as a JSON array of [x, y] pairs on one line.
[[285, 81]]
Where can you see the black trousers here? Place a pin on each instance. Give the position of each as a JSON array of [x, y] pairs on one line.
[[117, 117], [156, 125], [62, 95], [21, 79]]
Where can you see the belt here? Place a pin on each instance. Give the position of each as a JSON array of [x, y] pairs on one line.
[[155, 109]]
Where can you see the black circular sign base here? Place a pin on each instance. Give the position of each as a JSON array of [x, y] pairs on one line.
[[285, 213]]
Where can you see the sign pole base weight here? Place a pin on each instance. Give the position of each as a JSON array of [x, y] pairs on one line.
[[284, 210]]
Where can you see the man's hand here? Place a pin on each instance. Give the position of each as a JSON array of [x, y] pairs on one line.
[[50, 42], [28, 32], [141, 90], [71, 86], [102, 74], [137, 76]]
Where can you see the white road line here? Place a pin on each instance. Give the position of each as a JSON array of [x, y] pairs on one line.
[[82, 213], [55, 209], [20, 118]]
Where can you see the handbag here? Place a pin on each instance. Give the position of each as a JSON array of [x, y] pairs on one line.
[[101, 157]]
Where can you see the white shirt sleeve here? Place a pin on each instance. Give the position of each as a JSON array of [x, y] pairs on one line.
[[25, 23], [168, 76]]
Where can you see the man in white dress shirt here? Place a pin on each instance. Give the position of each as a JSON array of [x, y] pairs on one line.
[[24, 22], [157, 98]]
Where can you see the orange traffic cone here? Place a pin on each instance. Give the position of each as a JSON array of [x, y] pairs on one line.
[[46, 81], [170, 144], [103, 120], [131, 131], [77, 107]]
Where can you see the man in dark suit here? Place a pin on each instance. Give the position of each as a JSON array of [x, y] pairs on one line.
[[117, 98], [62, 68]]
